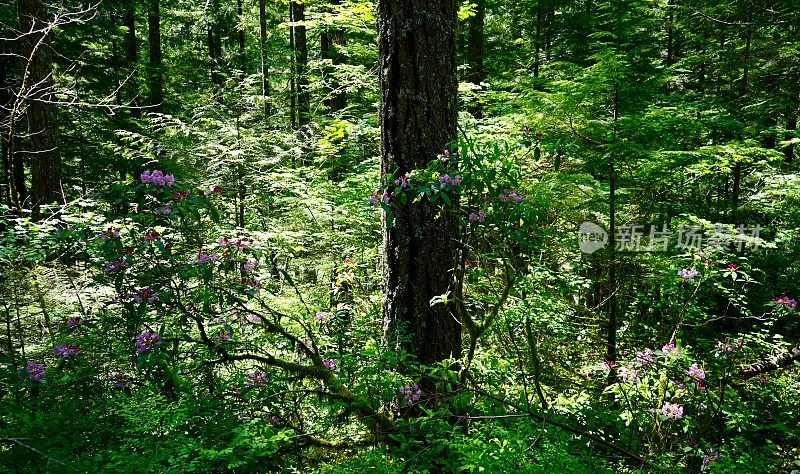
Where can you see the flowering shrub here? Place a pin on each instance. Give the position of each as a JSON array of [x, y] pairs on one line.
[[147, 341], [65, 350], [35, 371]]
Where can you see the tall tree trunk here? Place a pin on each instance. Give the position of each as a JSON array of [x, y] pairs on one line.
[[300, 50], [791, 124], [6, 183], [240, 37], [670, 32], [611, 334], [330, 40], [154, 40], [537, 39], [131, 56], [37, 85], [475, 52], [292, 72], [418, 115], [262, 38]]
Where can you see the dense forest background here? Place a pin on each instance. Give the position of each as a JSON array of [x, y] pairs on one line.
[[321, 236]]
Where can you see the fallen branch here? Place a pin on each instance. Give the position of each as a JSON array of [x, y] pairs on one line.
[[775, 362]]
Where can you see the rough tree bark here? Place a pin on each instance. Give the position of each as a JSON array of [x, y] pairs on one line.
[[131, 56], [418, 115], [475, 52], [37, 85], [262, 38], [299, 45], [791, 124], [330, 40], [784, 359], [5, 102], [154, 40], [214, 47]]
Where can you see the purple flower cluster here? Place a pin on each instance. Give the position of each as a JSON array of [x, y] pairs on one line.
[[146, 341], [726, 345], [73, 322], [110, 233], [511, 195], [403, 181], [203, 257], [249, 264], [673, 411], [696, 373], [256, 378], [66, 350], [120, 380], [223, 336], [670, 349], [322, 316], [688, 273], [411, 394], [151, 235], [480, 216], [329, 363], [628, 374], [379, 197], [145, 294], [157, 178], [35, 371], [709, 456], [446, 179], [786, 301], [162, 211], [646, 356], [115, 265], [236, 242]]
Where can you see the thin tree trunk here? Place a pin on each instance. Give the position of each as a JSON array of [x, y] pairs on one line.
[[293, 71], [475, 52], [300, 46], [330, 40], [537, 39], [418, 115], [37, 85], [262, 23], [670, 32], [791, 124], [240, 37], [154, 40], [6, 183], [131, 57]]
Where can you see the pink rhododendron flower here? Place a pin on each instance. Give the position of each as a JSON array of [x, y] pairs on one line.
[[786, 301], [35, 371], [696, 372], [672, 411], [687, 274], [146, 341]]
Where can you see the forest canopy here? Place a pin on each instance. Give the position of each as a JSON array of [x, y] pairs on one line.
[[399, 236]]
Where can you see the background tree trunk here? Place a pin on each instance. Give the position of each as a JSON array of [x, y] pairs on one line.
[[418, 116], [300, 50], [131, 56], [262, 23], [477, 75], [154, 40], [330, 39], [5, 99], [37, 84]]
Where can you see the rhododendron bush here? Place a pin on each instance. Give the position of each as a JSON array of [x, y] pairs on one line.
[[188, 345]]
